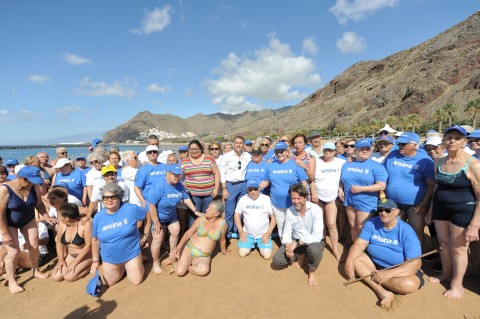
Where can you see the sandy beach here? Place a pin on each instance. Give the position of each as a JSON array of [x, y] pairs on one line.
[[236, 288]]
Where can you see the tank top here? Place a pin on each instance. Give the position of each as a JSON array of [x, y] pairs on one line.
[[20, 212]]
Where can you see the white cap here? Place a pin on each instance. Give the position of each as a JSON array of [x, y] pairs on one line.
[[434, 140], [18, 168], [398, 134], [151, 148], [62, 162]]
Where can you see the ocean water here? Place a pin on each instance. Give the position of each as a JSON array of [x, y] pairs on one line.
[[73, 152]]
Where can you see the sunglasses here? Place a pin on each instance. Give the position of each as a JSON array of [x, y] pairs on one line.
[[113, 197], [279, 151], [152, 152], [471, 140], [214, 149], [384, 210], [63, 153], [94, 162], [239, 165], [349, 146], [264, 144]]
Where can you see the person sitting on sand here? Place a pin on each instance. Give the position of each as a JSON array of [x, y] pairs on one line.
[[388, 241], [194, 251], [302, 233], [258, 221]]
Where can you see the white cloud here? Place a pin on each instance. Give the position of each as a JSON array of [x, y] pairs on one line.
[[27, 115], [356, 10], [309, 46], [351, 42], [75, 59], [69, 109], [155, 20], [3, 112], [117, 88], [156, 88], [271, 74], [38, 78]]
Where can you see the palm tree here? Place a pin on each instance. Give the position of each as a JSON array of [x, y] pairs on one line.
[[356, 131], [450, 108], [440, 116], [413, 120], [473, 106], [340, 129], [402, 121]]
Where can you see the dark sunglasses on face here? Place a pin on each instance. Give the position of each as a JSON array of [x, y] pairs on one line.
[[214, 149], [63, 153], [471, 140], [152, 152], [94, 162], [384, 210], [264, 144], [279, 151], [349, 146], [113, 197]]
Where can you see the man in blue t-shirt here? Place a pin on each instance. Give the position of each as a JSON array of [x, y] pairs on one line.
[[384, 242]]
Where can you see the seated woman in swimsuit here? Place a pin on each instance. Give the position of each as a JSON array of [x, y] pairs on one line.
[[73, 245], [197, 244]]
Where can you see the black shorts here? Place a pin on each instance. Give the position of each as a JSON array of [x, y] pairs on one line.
[[419, 274]]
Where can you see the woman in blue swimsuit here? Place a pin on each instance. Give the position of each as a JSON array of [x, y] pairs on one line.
[[74, 242], [18, 200], [197, 244]]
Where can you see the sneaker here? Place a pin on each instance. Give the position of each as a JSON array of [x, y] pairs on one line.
[[437, 267], [430, 258]]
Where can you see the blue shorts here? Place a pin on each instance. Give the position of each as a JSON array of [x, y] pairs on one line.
[[252, 241]]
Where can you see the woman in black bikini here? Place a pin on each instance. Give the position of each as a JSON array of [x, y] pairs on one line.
[[73, 245]]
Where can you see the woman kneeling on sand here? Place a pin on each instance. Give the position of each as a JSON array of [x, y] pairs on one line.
[[73, 242], [194, 251]]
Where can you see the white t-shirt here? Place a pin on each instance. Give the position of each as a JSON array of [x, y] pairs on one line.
[[327, 179], [92, 176], [377, 157], [128, 176], [255, 213]]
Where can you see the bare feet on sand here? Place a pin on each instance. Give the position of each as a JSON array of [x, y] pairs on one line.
[[312, 278], [157, 270], [338, 256], [386, 302], [41, 275], [454, 292], [14, 287]]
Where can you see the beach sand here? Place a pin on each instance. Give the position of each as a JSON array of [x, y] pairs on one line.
[[236, 288]]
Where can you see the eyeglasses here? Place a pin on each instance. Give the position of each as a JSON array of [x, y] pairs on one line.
[[384, 210], [251, 189], [471, 140], [349, 145], [63, 153], [152, 152], [264, 144], [214, 149], [11, 165], [94, 162], [107, 198], [279, 151], [239, 165]]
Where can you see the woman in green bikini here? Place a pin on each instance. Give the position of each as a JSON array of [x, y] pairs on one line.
[[195, 249]]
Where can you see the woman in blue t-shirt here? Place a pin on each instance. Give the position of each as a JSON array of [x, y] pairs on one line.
[[361, 180], [115, 237]]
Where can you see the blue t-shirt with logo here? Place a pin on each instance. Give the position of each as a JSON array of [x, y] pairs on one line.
[[166, 197], [118, 234], [407, 177], [147, 175], [364, 173], [76, 181], [388, 247], [281, 177]]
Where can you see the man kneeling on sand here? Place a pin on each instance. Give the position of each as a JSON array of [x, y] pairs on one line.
[[388, 241], [302, 233]]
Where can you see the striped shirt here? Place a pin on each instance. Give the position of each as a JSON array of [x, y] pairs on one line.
[[199, 179]]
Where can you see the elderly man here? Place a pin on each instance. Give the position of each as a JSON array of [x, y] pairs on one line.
[[388, 241], [162, 155], [232, 176], [316, 142], [384, 146], [302, 233], [258, 221], [148, 174]]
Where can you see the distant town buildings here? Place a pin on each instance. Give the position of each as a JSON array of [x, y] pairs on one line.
[[162, 135]]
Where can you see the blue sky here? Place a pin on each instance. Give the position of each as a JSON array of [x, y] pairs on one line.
[[71, 67]]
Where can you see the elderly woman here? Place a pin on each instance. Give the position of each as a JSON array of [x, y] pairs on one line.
[[327, 181], [227, 147], [128, 173], [74, 178], [282, 174], [361, 180], [115, 237], [73, 243], [267, 153], [202, 178], [301, 157], [410, 181], [455, 211], [94, 175], [115, 160], [474, 142], [3, 174], [61, 152], [349, 147], [195, 249], [162, 203], [387, 241], [18, 200]]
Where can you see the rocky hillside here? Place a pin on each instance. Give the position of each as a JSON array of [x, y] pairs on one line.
[[444, 69]]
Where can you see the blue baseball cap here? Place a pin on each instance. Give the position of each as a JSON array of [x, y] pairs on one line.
[[11, 161], [386, 138], [474, 134], [386, 203], [363, 143], [96, 141], [248, 142], [253, 183], [457, 128], [183, 148], [81, 158], [31, 173], [280, 146], [408, 137], [371, 140], [94, 285], [174, 169]]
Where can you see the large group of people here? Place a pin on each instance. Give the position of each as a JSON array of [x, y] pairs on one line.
[[297, 189]]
